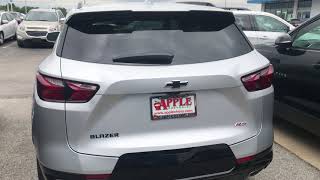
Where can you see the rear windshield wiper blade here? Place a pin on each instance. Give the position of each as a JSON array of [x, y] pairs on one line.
[[145, 59]]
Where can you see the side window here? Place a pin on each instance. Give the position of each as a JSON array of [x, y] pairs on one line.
[[4, 17], [308, 37], [269, 24], [243, 21], [9, 17]]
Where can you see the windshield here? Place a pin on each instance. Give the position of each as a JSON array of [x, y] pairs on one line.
[[41, 16], [14, 14]]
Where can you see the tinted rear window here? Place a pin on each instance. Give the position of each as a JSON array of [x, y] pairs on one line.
[[153, 37]]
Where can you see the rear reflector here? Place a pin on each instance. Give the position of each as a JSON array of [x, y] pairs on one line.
[[245, 159], [60, 90], [98, 177], [258, 80]]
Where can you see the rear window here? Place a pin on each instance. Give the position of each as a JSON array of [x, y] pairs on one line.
[[153, 37]]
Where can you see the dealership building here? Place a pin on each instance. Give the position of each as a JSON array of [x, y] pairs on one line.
[[290, 9]]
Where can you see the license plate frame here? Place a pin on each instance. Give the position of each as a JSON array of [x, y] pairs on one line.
[[188, 112]]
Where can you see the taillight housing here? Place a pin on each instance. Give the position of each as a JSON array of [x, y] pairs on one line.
[[258, 80], [59, 90], [98, 177], [245, 160]]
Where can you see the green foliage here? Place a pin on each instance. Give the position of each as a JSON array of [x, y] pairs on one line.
[[17, 8], [3, 8], [63, 10]]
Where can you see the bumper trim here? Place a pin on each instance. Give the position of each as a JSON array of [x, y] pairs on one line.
[[251, 168], [206, 176]]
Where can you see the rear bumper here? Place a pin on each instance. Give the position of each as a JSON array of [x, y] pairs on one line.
[[213, 162], [253, 167]]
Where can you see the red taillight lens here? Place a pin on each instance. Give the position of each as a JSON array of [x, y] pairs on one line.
[[245, 160], [81, 92], [50, 89], [98, 177], [258, 80], [59, 90]]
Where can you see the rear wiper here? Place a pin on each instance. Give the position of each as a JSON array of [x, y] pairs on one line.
[[145, 59]]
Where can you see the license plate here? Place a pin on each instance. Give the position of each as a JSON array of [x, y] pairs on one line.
[[171, 107]]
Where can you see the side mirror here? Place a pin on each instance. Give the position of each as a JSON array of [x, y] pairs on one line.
[[4, 22], [284, 41], [53, 36], [288, 29], [62, 20], [292, 28]]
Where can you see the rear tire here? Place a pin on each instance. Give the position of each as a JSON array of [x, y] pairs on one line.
[[14, 37], [40, 175], [20, 43], [1, 38]]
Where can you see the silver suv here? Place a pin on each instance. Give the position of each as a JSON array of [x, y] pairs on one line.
[[152, 91]]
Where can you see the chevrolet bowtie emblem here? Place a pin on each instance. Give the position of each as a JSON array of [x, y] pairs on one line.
[[176, 84]]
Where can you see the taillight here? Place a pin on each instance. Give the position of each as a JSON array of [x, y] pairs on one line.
[[60, 90], [98, 177], [245, 160], [258, 80]]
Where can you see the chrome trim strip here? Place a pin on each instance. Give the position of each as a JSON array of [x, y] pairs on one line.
[[208, 175]]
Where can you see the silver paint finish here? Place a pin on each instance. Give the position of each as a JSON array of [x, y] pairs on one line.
[[61, 132]]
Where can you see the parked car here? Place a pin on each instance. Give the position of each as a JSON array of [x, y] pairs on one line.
[[37, 24], [261, 27], [8, 26], [18, 16], [147, 91], [297, 71]]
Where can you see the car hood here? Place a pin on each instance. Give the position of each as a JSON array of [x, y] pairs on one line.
[[39, 24]]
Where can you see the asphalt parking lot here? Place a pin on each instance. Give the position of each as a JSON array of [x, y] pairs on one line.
[[17, 160]]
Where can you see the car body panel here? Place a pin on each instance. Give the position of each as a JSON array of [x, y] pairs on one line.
[[8, 29], [296, 76], [262, 37], [226, 112], [122, 88], [39, 24]]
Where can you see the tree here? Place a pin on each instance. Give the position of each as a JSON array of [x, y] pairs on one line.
[[63, 10], [17, 8]]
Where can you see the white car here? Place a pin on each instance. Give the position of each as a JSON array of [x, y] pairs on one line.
[[8, 26], [261, 27], [37, 24]]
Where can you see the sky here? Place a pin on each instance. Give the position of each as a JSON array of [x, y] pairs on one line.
[[73, 3]]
